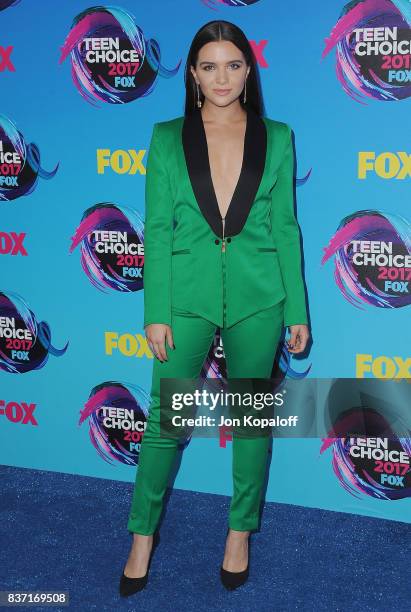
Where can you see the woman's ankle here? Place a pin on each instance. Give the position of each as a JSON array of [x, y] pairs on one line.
[[142, 538], [238, 534]]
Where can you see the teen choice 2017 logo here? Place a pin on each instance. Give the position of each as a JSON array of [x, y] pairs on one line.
[[372, 257], [112, 249], [20, 166], [110, 58], [25, 344], [117, 416], [373, 49], [372, 466]]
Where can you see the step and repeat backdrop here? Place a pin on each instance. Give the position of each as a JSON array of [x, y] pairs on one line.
[[80, 90]]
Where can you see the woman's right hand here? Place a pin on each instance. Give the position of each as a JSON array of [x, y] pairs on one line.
[[157, 334]]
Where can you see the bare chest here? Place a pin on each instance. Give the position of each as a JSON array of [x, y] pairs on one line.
[[225, 156]]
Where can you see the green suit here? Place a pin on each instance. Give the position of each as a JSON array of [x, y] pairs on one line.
[[241, 274], [222, 271]]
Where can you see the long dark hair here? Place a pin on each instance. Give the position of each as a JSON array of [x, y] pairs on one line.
[[214, 31]]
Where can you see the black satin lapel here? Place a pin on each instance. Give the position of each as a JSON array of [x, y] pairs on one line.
[[196, 156], [255, 151]]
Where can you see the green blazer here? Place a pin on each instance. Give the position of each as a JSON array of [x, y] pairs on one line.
[[221, 269]]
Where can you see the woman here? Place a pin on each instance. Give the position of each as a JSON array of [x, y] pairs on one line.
[[222, 249]]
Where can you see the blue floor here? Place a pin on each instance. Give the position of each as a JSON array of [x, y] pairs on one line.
[[64, 532]]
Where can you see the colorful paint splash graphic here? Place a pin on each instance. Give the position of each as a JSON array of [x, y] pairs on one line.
[[299, 182], [6, 3], [112, 253], [215, 365], [236, 3], [369, 433], [117, 415], [372, 41], [111, 61], [20, 167], [372, 256], [25, 344]]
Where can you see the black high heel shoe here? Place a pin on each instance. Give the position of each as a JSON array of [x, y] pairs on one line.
[[232, 580], [129, 586]]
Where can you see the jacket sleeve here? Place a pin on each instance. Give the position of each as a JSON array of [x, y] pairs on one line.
[[158, 231], [286, 235]]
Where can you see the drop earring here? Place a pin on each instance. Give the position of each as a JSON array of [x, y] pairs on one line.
[[199, 103], [245, 91]]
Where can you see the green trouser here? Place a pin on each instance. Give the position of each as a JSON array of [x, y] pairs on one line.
[[249, 346]]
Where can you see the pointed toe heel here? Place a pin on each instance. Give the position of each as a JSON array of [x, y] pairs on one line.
[[129, 586], [232, 580]]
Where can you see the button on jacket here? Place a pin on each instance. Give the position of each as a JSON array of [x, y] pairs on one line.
[[221, 269]]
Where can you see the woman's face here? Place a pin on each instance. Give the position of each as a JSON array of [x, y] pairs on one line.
[[220, 72]]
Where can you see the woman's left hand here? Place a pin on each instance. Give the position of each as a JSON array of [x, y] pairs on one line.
[[299, 338]]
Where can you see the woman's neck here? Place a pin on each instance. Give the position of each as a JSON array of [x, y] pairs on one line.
[[223, 115]]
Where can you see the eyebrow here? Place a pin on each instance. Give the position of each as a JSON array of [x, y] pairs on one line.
[[230, 62]]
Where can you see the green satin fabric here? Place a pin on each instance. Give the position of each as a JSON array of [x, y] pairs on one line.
[[249, 348]]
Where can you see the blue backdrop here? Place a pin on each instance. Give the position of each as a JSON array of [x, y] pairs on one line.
[[331, 128]]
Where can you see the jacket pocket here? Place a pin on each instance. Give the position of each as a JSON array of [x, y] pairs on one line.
[[181, 252], [266, 249]]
